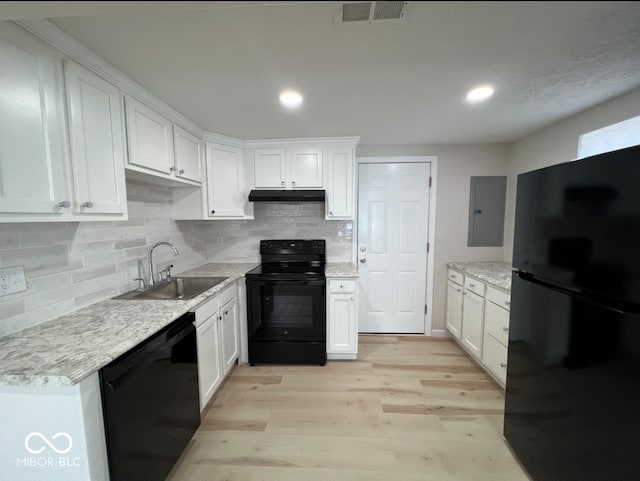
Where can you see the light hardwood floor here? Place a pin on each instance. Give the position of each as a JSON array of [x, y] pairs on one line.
[[408, 409]]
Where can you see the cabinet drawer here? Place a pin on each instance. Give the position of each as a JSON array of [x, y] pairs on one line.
[[496, 322], [344, 286], [205, 310], [494, 357], [456, 277], [474, 285], [228, 294], [498, 297]]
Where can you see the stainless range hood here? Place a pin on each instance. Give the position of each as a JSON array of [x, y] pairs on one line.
[[287, 196]]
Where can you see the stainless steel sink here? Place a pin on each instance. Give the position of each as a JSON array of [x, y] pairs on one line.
[[176, 288]]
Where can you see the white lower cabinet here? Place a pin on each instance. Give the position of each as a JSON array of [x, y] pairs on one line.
[[454, 308], [217, 338], [342, 325], [472, 322], [478, 318]]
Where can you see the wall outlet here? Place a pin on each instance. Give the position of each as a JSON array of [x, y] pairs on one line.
[[12, 280]]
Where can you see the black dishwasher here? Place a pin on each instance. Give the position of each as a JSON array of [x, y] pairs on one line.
[[151, 403]]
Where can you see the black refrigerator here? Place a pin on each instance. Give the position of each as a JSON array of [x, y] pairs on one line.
[[572, 407]]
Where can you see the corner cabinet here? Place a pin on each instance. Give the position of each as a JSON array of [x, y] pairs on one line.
[[226, 194], [342, 321], [59, 161]]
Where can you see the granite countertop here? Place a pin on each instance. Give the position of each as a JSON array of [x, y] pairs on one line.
[[496, 273], [67, 349], [340, 269]]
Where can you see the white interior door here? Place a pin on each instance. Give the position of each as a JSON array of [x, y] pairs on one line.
[[393, 219]]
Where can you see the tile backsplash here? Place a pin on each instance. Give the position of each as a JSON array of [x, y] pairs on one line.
[[238, 240], [70, 265]]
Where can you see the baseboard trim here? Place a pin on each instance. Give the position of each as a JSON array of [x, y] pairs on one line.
[[440, 333]]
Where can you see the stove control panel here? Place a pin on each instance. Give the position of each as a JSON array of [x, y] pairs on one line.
[[295, 246]]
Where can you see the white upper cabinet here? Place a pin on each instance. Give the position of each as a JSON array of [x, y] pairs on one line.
[[96, 139], [33, 178], [226, 194], [288, 168], [306, 168], [161, 149], [340, 184], [150, 138], [188, 155], [46, 175], [270, 168]]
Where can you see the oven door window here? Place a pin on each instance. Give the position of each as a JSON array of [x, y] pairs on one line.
[[286, 310]]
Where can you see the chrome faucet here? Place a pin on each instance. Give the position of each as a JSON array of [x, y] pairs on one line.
[[152, 281]]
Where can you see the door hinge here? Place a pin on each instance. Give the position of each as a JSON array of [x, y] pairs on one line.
[[425, 308], [430, 179]]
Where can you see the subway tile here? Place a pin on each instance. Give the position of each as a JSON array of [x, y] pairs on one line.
[[32, 318], [46, 283], [8, 237], [93, 272], [103, 258], [129, 243], [92, 297], [11, 308], [82, 248], [47, 234]]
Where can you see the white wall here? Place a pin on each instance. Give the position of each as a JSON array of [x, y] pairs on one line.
[[456, 165], [559, 143]]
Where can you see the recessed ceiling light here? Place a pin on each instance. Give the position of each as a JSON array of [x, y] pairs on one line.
[[477, 94], [291, 99]]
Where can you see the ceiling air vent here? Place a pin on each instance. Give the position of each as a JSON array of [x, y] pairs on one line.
[[351, 13]]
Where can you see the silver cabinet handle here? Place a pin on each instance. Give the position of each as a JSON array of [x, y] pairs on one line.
[[172, 169], [353, 298], [65, 204], [464, 293], [502, 364], [181, 171], [293, 182], [458, 290], [341, 286], [362, 261], [330, 212], [282, 182], [505, 329], [507, 303], [226, 312], [472, 285], [88, 204]]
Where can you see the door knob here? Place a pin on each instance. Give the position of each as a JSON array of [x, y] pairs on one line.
[[362, 261]]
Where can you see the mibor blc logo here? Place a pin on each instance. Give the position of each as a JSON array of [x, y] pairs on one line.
[[66, 441], [50, 451]]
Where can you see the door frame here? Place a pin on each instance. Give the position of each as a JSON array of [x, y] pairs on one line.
[[431, 237]]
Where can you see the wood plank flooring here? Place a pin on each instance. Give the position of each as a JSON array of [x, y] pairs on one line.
[[408, 409]]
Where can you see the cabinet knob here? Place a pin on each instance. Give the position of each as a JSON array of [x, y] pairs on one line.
[[353, 298], [181, 171], [472, 285], [502, 364], [226, 312], [362, 261], [464, 293], [458, 290], [213, 211], [282, 182], [507, 303], [172, 169], [330, 212], [293, 182], [64, 204], [505, 329], [220, 318], [88, 204]]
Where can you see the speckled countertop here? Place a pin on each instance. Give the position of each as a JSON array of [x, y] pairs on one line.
[[67, 349], [496, 273], [340, 269]]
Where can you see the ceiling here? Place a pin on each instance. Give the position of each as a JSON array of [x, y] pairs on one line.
[[223, 64]]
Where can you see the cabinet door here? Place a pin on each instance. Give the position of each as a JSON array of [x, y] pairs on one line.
[[32, 126], [454, 309], [306, 168], [209, 359], [225, 181], [343, 329], [472, 322], [269, 168], [188, 155], [229, 335], [340, 184], [150, 138], [97, 144]]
